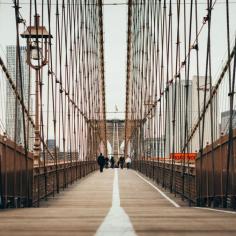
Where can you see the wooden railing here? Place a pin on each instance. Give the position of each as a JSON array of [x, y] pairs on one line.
[[177, 179], [52, 179], [211, 172], [24, 185], [16, 175]]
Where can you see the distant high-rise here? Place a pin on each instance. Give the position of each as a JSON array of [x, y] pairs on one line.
[[225, 118], [14, 118], [180, 111], [211, 122], [51, 144], [154, 147], [182, 95]]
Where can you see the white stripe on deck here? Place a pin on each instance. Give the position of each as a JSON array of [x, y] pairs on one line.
[[162, 193], [117, 222], [215, 210]]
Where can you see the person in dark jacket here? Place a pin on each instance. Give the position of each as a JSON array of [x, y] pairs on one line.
[[112, 162], [106, 162], [101, 162], [122, 162]]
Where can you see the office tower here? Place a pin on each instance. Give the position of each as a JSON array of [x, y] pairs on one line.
[[211, 127], [181, 96], [179, 116], [225, 116], [14, 117], [154, 147]]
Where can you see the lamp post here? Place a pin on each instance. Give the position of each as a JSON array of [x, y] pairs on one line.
[[37, 49]]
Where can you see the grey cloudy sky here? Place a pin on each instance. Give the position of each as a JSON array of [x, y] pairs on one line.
[[115, 29], [115, 34], [115, 25]]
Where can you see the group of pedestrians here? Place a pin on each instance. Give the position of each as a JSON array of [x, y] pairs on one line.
[[104, 162], [122, 161]]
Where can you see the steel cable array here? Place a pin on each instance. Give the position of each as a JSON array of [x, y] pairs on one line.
[[71, 97], [175, 119]]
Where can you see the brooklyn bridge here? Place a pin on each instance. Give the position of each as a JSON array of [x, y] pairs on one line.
[[170, 153]]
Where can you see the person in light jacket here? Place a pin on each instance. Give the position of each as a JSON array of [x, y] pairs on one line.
[[128, 162]]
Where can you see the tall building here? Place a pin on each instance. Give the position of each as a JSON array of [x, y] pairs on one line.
[[154, 147], [182, 96], [225, 121], [51, 144], [180, 111], [211, 126], [14, 117]]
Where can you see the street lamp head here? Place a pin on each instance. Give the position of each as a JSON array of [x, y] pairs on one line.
[[36, 31], [37, 43]]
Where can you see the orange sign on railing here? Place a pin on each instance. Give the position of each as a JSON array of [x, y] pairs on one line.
[[182, 156]]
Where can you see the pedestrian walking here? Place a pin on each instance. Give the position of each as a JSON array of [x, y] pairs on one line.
[[101, 162], [112, 162], [128, 162], [122, 162], [106, 162]]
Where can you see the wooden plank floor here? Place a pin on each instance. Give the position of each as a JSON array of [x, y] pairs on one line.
[[152, 214], [81, 209]]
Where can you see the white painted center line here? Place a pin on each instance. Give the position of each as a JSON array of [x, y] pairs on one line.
[[117, 222], [116, 191], [216, 210], [156, 188]]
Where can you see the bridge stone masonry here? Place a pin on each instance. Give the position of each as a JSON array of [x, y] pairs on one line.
[[61, 171]]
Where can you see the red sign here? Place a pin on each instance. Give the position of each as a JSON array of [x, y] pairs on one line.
[[182, 156]]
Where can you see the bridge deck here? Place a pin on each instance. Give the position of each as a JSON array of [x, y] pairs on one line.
[[92, 206]]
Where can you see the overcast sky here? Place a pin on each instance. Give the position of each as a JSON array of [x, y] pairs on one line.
[[115, 25], [115, 36], [115, 30]]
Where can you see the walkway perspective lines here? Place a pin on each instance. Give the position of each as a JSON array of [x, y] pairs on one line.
[[216, 210], [162, 193], [117, 222]]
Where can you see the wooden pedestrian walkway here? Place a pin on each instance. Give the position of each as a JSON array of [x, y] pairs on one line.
[[114, 203]]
